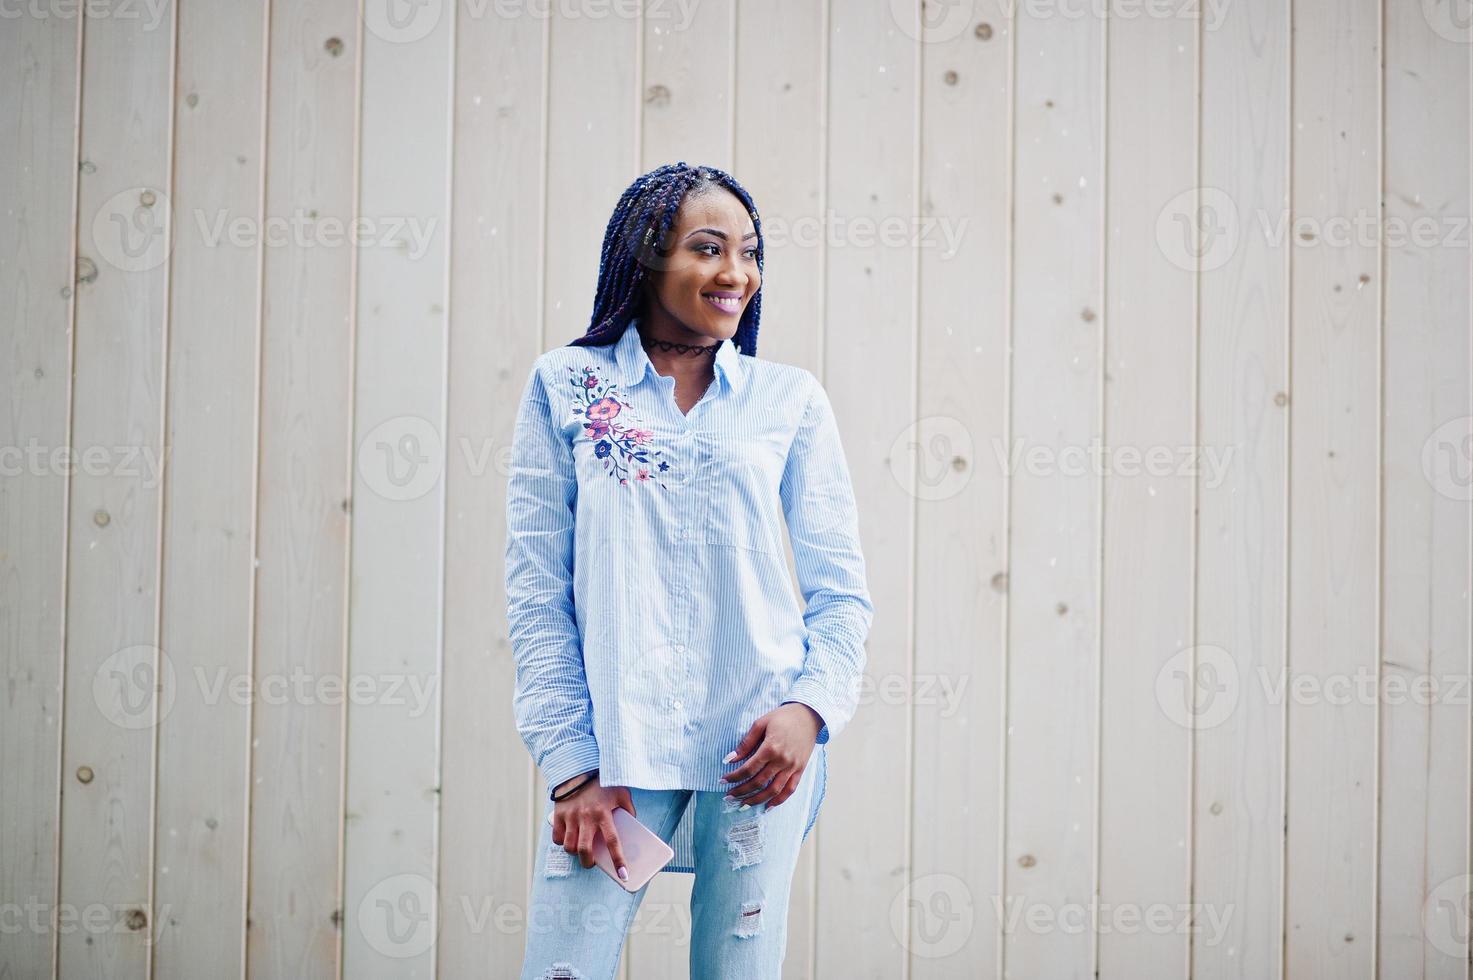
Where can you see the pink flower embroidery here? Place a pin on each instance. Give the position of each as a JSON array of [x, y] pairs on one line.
[[603, 409], [626, 450]]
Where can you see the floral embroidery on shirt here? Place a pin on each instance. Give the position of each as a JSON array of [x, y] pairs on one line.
[[624, 446]]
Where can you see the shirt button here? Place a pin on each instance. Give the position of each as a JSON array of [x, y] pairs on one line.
[[677, 705], [680, 648]]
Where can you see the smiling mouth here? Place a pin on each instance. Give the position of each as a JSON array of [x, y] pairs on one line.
[[733, 305]]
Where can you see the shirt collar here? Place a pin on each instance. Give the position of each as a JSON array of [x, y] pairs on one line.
[[634, 362]]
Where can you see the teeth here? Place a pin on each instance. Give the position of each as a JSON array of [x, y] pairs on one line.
[[729, 304]]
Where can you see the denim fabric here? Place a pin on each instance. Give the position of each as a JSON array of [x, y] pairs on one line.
[[650, 610], [578, 918]]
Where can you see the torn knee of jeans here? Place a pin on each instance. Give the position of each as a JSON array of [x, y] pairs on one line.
[[562, 971], [744, 840], [749, 922], [559, 863]]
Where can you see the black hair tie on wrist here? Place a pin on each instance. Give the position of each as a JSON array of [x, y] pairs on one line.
[[558, 799]]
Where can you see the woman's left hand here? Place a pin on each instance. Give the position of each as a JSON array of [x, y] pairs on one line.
[[783, 739]]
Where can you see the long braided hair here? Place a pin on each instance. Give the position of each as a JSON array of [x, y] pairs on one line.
[[646, 211]]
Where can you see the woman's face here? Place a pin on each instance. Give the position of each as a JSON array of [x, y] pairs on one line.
[[708, 272]]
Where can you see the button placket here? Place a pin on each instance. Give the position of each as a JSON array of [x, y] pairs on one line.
[[680, 599], [689, 530]]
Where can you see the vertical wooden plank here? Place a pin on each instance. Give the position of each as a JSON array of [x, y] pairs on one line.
[[38, 112], [593, 111], [396, 597], [777, 156], [1335, 289], [686, 114], [294, 910], [688, 94], [116, 685], [951, 461], [868, 365], [1242, 535], [1149, 499], [1427, 484], [592, 150], [1053, 630], [495, 294], [210, 498]]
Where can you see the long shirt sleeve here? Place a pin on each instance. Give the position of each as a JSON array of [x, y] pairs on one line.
[[553, 710], [819, 506]]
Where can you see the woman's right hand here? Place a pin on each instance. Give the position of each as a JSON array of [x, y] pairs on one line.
[[587, 812]]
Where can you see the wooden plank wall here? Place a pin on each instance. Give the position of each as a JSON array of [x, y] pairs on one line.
[[1150, 334]]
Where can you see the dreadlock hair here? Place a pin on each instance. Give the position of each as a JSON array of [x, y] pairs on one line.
[[646, 211]]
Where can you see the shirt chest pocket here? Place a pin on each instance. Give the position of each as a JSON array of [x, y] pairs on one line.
[[745, 510]]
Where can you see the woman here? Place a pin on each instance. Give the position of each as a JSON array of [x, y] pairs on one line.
[[662, 663]]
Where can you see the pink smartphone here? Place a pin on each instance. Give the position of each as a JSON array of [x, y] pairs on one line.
[[644, 851]]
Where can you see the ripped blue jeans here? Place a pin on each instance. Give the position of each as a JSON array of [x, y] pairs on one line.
[[578, 917]]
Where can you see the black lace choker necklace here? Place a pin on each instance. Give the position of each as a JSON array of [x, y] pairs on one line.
[[666, 345]]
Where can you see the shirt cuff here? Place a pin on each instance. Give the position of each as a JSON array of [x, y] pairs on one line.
[[818, 705], [568, 760]]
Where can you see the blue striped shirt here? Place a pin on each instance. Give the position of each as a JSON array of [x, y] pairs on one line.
[[651, 614]]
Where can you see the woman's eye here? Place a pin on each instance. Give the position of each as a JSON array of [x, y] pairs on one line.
[[751, 253]]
